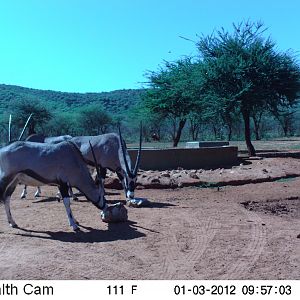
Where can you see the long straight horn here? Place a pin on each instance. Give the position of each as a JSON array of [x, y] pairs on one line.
[[24, 128], [95, 161], [138, 158], [123, 152], [9, 129]]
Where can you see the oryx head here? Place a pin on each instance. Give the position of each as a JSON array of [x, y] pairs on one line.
[[99, 183], [130, 175]]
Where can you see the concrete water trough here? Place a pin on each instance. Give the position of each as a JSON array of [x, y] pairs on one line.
[[186, 158], [206, 144]]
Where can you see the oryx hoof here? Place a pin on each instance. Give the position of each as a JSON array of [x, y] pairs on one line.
[[75, 199], [23, 196], [77, 229], [13, 225], [37, 195]]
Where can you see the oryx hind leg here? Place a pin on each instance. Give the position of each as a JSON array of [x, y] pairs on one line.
[[6, 197], [24, 192], [63, 188], [72, 194], [38, 192], [10, 219], [58, 196]]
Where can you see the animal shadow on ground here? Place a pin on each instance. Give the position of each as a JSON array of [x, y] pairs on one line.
[[78, 194], [115, 231], [160, 205], [48, 199], [116, 201], [149, 204]]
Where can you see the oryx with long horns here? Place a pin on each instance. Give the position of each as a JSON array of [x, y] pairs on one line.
[[111, 152], [38, 164]]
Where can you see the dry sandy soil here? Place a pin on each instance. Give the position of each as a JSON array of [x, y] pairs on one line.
[[247, 228]]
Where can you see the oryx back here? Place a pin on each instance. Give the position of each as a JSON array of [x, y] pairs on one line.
[[107, 150]]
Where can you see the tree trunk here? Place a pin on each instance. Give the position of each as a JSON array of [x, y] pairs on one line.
[[256, 130], [31, 128], [193, 131], [257, 120], [215, 131], [229, 135], [246, 117], [196, 133], [178, 133], [285, 129]]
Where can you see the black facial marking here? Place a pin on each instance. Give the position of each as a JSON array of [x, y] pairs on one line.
[[131, 186]]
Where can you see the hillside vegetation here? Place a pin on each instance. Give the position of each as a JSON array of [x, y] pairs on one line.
[[115, 102], [57, 113]]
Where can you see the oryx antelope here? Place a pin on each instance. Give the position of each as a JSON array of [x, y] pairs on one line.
[[111, 152], [48, 164], [40, 138]]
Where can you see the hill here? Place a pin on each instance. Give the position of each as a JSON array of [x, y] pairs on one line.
[[114, 102]]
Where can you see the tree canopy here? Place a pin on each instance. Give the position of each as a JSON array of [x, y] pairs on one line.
[[94, 120], [244, 73], [172, 93]]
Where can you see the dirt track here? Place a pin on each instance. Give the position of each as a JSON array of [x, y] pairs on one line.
[[234, 232]]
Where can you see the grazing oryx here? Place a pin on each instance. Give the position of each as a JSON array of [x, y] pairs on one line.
[[40, 138], [111, 152], [48, 164]]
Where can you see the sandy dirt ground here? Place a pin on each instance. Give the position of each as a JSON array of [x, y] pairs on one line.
[[247, 230]]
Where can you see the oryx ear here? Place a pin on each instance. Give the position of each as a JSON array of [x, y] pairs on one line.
[[95, 161], [24, 128]]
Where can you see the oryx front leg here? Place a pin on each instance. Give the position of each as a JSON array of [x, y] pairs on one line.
[[66, 199], [72, 221], [10, 219]]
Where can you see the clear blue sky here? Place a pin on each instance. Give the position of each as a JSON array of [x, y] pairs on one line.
[[104, 45]]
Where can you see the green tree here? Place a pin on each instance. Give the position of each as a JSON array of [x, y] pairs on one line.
[[245, 71], [21, 109], [285, 119], [152, 122], [172, 94], [94, 120], [3, 129], [62, 123]]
